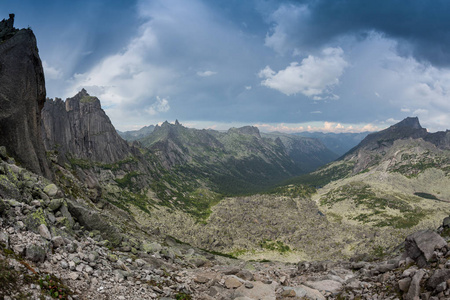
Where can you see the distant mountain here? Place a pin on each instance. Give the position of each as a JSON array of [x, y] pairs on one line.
[[386, 145], [307, 153], [339, 143], [239, 160], [134, 135], [397, 178]]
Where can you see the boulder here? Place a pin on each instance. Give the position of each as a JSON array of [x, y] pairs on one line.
[[44, 232], [151, 247], [55, 204], [414, 287], [58, 241], [304, 292], [35, 253], [245, 274], [325, 285], [232, 283], [51, 190], [420, 246], [259, 291], [92, 220], [403, 284], [438, 277]]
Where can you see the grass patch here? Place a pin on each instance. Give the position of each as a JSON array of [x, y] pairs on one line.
[[293, 191], [324, 175], [275, 246]]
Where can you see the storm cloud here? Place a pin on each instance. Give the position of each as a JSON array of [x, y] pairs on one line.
[[422, 27], [282, 65]]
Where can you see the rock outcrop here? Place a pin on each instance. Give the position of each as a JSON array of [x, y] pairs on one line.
[[22, 96], [79, 128]]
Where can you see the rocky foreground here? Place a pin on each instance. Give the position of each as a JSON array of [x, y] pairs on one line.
[[47, 253]]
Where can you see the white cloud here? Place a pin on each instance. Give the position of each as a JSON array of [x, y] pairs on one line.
[[206, 73], [405, 110], [248, 87], [127, 77], [316, 112], [313, 77], [51, 72], [161, 105], [324, 126]]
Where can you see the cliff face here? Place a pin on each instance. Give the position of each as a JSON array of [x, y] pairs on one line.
[[22, 96], [79, 128]]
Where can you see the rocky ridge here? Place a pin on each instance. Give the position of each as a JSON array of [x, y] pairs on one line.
[[78, 128], [22, 96]]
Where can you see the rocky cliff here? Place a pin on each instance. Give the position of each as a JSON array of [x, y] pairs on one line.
[[79, 128], [22, 96]]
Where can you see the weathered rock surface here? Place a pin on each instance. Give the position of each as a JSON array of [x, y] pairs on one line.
[[22, 96], [80, 128], [420, 246]]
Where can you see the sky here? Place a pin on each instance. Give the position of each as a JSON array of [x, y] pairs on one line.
[[317, 65]]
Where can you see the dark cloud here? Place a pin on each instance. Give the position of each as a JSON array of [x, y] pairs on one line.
[[423, 25]]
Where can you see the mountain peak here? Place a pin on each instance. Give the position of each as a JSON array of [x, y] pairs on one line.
[[83, 93], [248, 130], [409, 122]]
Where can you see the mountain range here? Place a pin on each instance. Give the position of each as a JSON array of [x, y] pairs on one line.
[[180, 212]]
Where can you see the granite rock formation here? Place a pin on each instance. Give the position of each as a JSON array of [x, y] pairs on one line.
[[22, 96], [79, 128]]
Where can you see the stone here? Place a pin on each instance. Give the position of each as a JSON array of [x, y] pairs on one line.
[[446, 222], [4, 239], [232, 283], [51, 190], [231, 271], [288, 293], [140, 262], [122, 265], [385, 268], [249, 285], [245, 274], [73, 275], [403, 284], [441, 287], [35, 253], [151, 247], [201, 279], [79, 268], [260, 291], [92, 220], [325, 285], [36, 203], [58, 241], [64, 264], [438, 277], [44, 232], [409, 272], [414, 288], [420, 246], [55, 204], [89, 270]]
